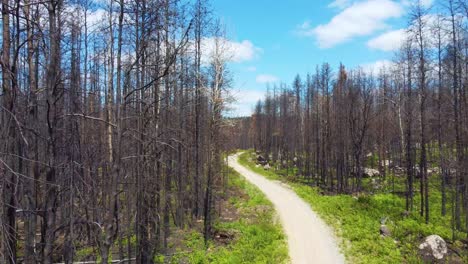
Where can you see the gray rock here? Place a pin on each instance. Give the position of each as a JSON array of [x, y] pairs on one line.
[[385, 231], [435, 170], [267, 167], [261, 160], [368, 172], [406, 213], [433, 248], [398, 170]]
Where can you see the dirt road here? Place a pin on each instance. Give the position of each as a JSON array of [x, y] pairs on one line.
[[310, 240]]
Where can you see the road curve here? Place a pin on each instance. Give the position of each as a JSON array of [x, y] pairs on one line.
[[310, 240]]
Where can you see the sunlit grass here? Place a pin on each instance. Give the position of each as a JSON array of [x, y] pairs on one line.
[[357, 219], [259, 238]]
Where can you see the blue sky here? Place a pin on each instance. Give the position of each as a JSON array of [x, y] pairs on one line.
[[276, 40]]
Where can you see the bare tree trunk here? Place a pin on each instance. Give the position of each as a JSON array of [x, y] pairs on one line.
[[30, 185], [9, 180], [409, 143], [53, 94]]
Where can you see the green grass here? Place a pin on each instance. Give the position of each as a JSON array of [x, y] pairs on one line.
[[258, 238], [83, 253], [357, 220]]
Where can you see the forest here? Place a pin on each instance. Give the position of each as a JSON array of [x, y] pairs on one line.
[[116, 133], [404, 125], [110, 126]]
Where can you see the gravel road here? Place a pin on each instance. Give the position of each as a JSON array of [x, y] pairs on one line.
[[310, 240]]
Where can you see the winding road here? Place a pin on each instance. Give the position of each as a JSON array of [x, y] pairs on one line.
[[310, 240]]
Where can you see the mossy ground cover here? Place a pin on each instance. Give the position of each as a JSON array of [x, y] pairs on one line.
[[357, 219], [248, 222]]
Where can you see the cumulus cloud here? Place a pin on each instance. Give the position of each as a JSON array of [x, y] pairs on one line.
[[427, 3], [393, 40], [266, 78], [359, 19], [245, 100], [96, 17], [234, 51], [244, 51], [339, 4], [376, 66], [388, 41]]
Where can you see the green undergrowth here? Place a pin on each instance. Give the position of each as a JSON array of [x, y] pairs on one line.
[[256, 236], [357, 219]]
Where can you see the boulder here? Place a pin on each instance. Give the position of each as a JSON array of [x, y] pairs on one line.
[[267, 167], [385, 231], [261, 160], [435, 170], [399, 170], [368, 172], [433, 248]]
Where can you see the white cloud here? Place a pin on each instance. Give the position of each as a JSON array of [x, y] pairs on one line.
[[249, 96], [305, 29], [339, 4], [245, 101], [388, 41], [94, 18], [394, 39], [359, 19], [252, 69], [266, 78], [235, 51], [377, 66], [426, 3], [244, 51], [97, 17]]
